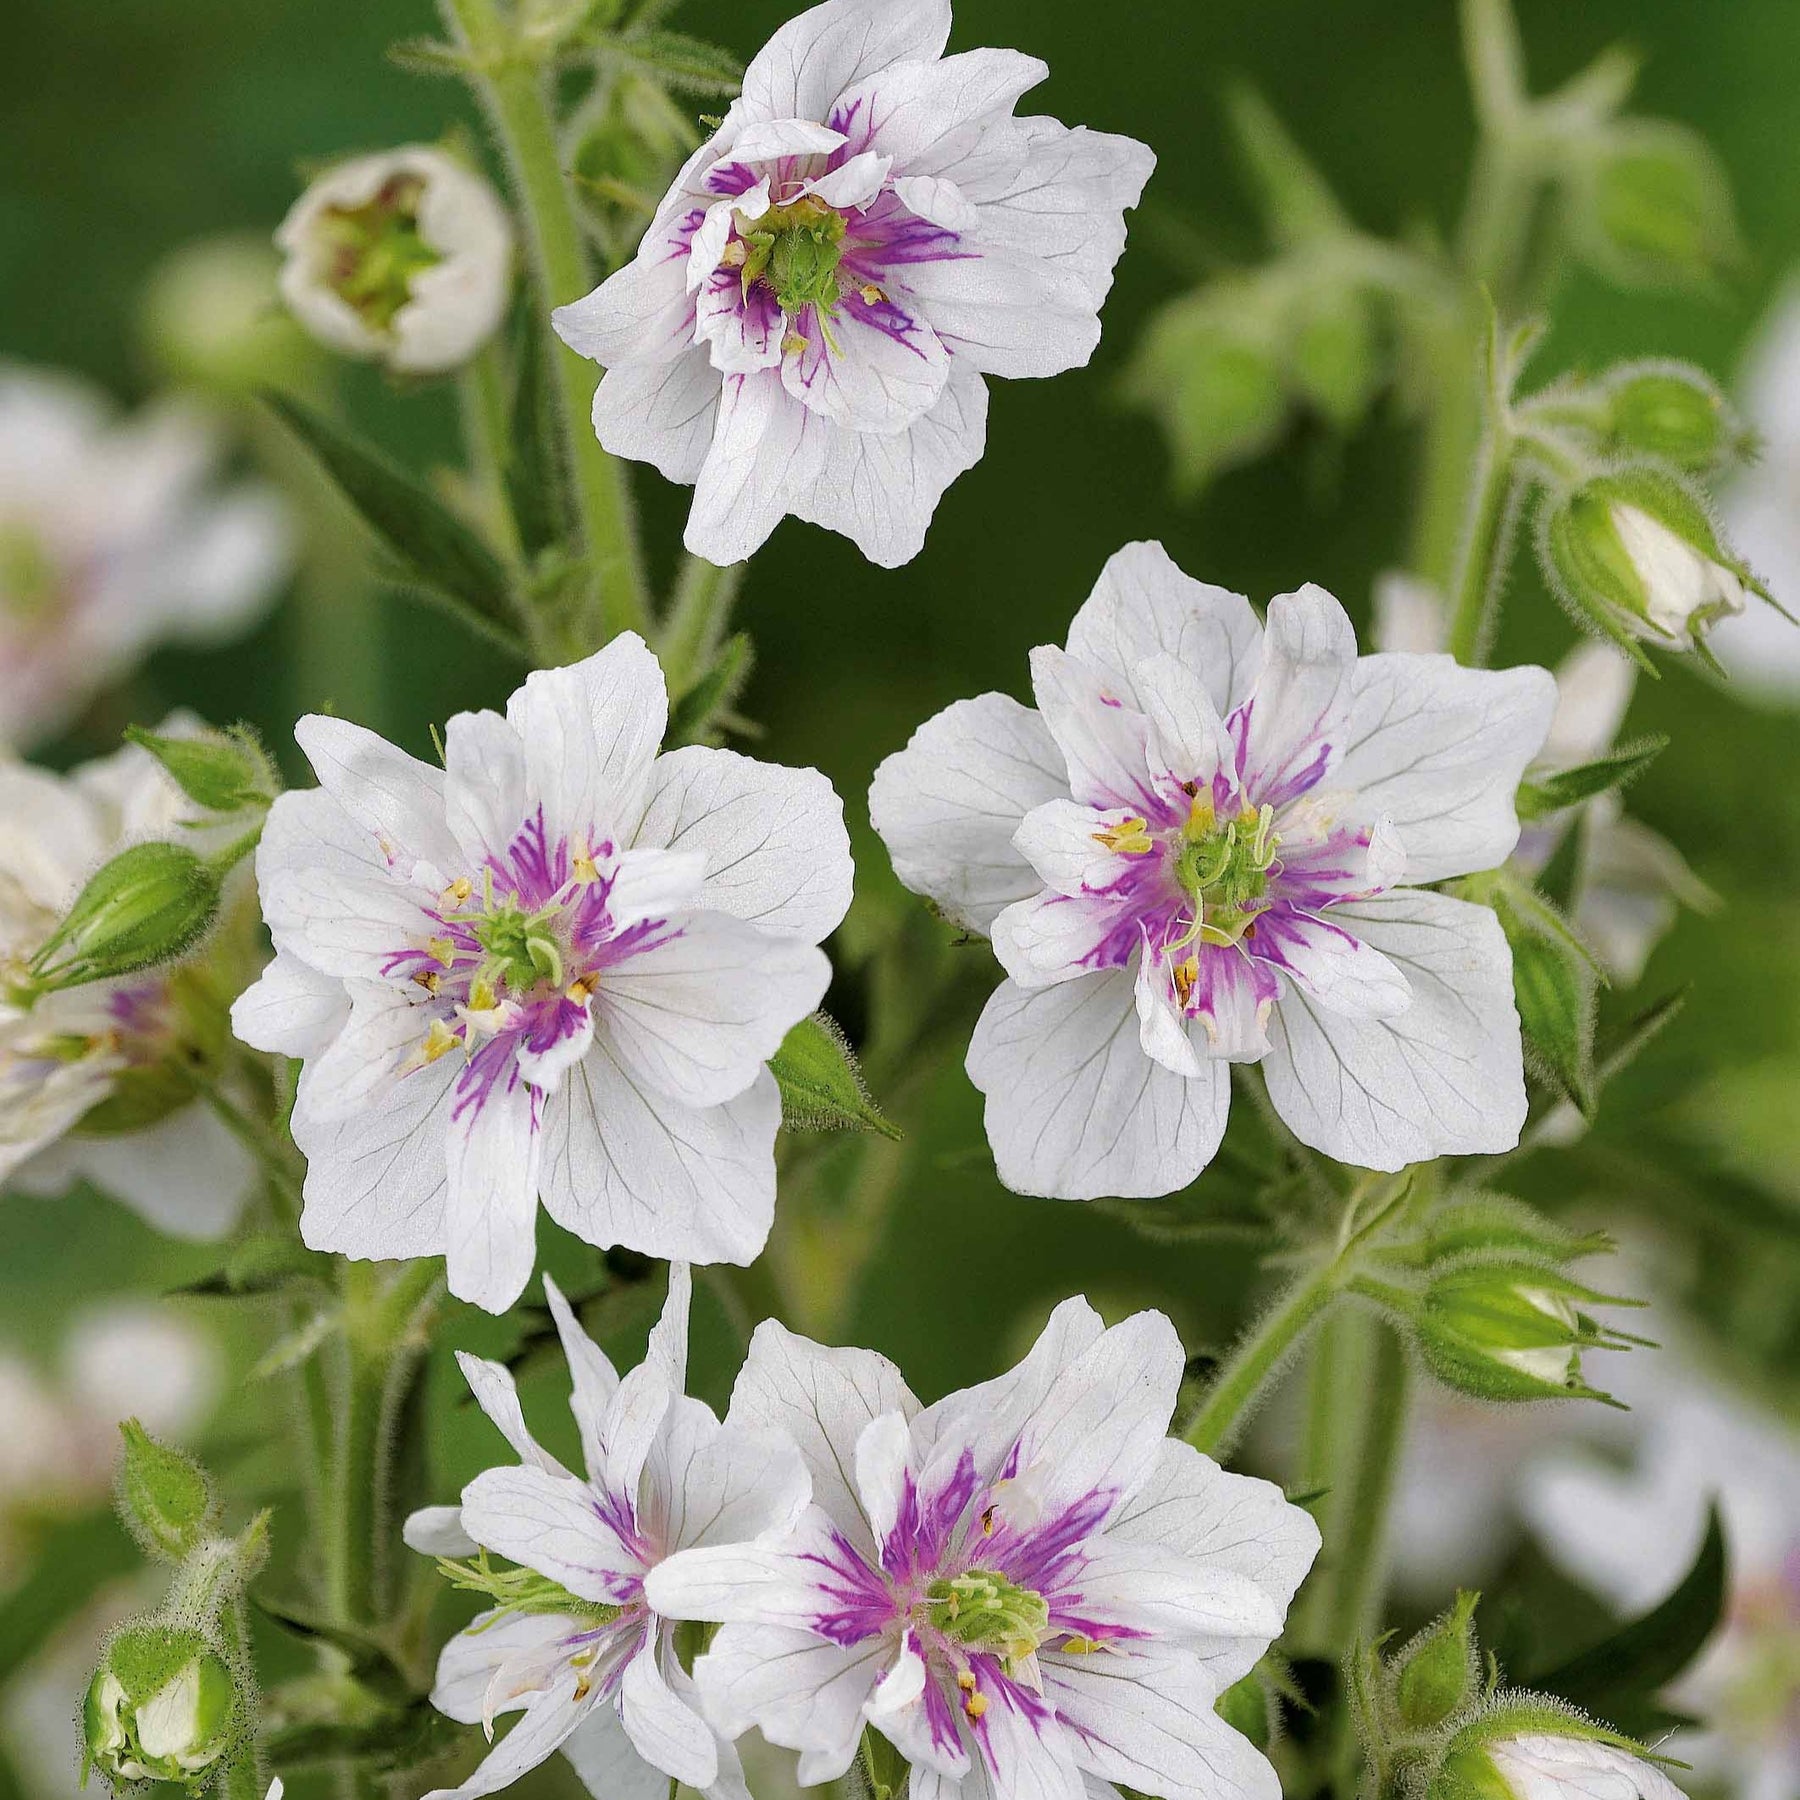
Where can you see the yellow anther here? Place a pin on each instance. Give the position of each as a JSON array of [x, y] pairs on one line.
[[1077, 1645], [429, 979], [583, 865], [872, 295], [482, 997], [581, 990], [440, 1040], [443, 949], [732, 256], [975, 1705], [792, 344], [966, 1681], [456, 894], [1130, 837], [1187, 977], [1201, 817]]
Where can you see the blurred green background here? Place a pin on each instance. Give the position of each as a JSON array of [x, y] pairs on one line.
[[129, 127]]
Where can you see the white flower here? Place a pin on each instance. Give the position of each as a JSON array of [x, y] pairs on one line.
[[557, 966], [1022, 1586], [1762, 513], [111, 542], [404, 257], [1190, 855], [96, 1082], [1684, 589], [1540, 1765], [581, 1649], [809, 319]]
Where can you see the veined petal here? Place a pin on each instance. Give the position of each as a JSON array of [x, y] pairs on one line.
[[815, 56], [745, 331], [593, 1380], [883, 1457], [485, 785], [907, 111], [1296, 727], [667, 1732], [769, 140], [938, 202], [643, 313], [438, 1531], [1059, 937], [1081, 850], [709, 1484], [854, 182], [1104, 742], [497, 1395], [1332, 964], [1143, 606], [548, 1721], [949, 805], [467, 1662], [1341, 862], [549, 1523], [1231, 1000], [608, 1763], [1160, 1594], [375, 1045], [1000, 312], [662, 413], [762, 452], [875, 366], [1075, 1108], [1190, 742], [557, 1037], [494, 1147], [387, 792], [1445, 1077], [632, 1423], [667, 1348], [291, 1009]]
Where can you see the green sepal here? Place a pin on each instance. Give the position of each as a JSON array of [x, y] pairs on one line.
[[149, 904], [1438, 1673], [1570, 787], [822, 1088], [883, 1767], [694, 717], [165, 1498], [224, 772]]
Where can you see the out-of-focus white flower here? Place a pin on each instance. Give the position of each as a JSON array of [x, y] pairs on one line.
[[1029, 1589], [870, 232], [1200, 850], [1761, 649], [404, 258], [575, 1642], [98, 1081], [111, 541], [1629, 1529], [556, 967]]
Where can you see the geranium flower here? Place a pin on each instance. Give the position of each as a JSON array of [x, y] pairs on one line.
[[1196, 853], [1023, 1586], [111, 542], [573, 1642], [870, 232], [403, 258], [557, 966], [104, 1082]]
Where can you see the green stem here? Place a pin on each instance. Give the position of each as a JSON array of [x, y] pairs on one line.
[[242, 1778], [698, 614], [257, 1138], [513, 88], [1481, 563], [1257, 1357], [481, 394]]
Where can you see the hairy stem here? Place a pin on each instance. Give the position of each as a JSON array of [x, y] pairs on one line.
[[698, 615], [242, 1778], [513, 89], [481, 397], [1481, 564]]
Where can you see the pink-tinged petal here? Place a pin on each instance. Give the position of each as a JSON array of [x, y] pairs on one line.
[[873, 366], [1443, 1078], [1056, 938], [494, 1146], [1104, 741], [661, 413], [772, 839], [555, 1037], [1143, 606], [624, 1164], [668, 1733], [644, 313], [744, 329], [810, 1576], [1075, 1109], [938, 202], [485, 785], [949, 805], [815, 56], [1331, 964], [708, 248], [1294, 730], [466, 1665], [883, 1459], [1342, 862], [1230, 1000], [1023, 1751], [498, 1396], [1076, 849], [554, 1524], [911, 1711]]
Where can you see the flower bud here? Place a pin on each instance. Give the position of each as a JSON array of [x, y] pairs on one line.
[[1637, 553], [1653, 207], [162, 1706], [1439, 1672], [148, 905], [403, 258], [1529, 1748], [1670, 412], [222, 772], [164, 1496]]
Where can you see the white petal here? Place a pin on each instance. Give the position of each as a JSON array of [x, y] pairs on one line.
[[498, 1396], [800, 1691], [1542, 1766], [777, 854], [1063, 843], [1104, 742], [632, 1423], [375, 1182], [1438, 750], [376, 1042], [467, 1663], [879, 368], [641, 314], [1170, 1598], [883, 1455], [666, 1732], [1333, 965], [188, 1175], [591, 732], [290, 1009], [1164, 1029], [1298, 726], [1443, 1078], [949, 804], [765, 446], [1146, 1720], [814, 57], [698, 1015], [667, 1349], [1075, 1109], [822, 1399], [854, 182], [662, 413], [710, 1484], [938, 202], [539, 1734], [1002, 313], [593, 1379], [490, 1214], [1190, 740], [1409, 614], [609, 1764], [387, 792], [559, 1037], [1593, 691], [623, 1164], [548, 1523], [438, 1531], [1143, 605], [906, 112], [1059, 937], [485, 789]]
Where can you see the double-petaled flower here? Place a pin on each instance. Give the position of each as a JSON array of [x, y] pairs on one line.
[[572, 1642], [1027, 1589], [870, 233], [557, 966], [1208, 845]]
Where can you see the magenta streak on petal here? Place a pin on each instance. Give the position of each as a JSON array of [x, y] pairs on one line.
[[887, 235], [866, 1605], [843, 119], [495, 1066], [552, 1021], [999, 1687], [890, 320], [1298, 774], [618, 1513], [940, 1717], [1319, 874], [923, 1528], [1040, 1556], [731, 179], [532, 870]]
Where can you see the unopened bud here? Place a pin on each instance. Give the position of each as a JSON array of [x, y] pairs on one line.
[[162, 1706], [1654, 208], [1469, 1773], [1527, 1747], [164, 1495], [1671, 412], [1637, 552], [147, 906], [222, 772], [1438, 1673]]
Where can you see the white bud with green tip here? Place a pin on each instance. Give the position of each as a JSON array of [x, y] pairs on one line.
[[1527, 1747], [163, 1706]]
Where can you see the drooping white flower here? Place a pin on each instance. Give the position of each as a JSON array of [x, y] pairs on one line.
[[98, 1082], [111, 541], [556, 967], [581, 1650], [807, 326], [1023, 1587], [403, 258], [1541, 1765], [1193, 853]]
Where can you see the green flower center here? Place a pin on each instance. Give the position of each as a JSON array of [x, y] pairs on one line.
[[1224, 869], [985, 1611], [521, 1591], [377, 250], [795, 251]]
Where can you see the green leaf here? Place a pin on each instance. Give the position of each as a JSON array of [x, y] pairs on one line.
[[536, 489], [434, 548], [369, 1656], [683, 62], [1554, 997], [221, 771], [693, 715], [1619, 1678], [1570, 787], [821, 1086]]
